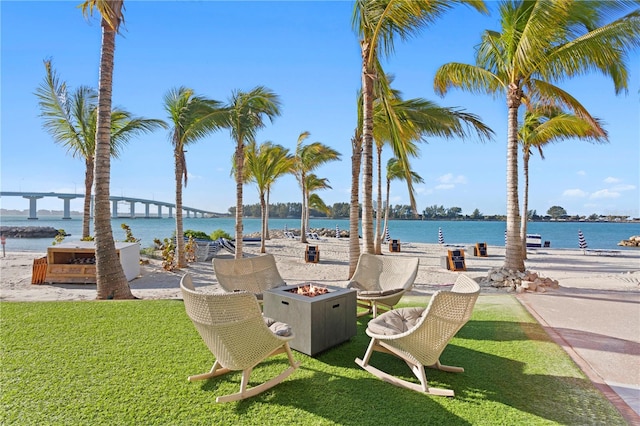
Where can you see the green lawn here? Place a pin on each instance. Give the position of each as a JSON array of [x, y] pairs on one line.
[[125, 363]]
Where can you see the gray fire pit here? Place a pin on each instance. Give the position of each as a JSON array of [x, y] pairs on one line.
[[319, 322]]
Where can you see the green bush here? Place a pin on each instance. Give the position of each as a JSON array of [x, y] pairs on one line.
[[219, 233], [197, 235]]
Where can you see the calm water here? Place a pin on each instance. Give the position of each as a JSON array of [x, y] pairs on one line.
[[601, 235]]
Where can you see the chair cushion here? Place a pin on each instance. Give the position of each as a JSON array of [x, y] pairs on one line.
[[396, 321], [278, 328]]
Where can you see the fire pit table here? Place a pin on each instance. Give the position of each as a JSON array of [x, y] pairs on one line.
[[321, 316]]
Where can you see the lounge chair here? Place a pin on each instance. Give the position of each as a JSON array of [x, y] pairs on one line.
[[252, 274], [314, 236], [382, 280], [227, 245], [290, 235], [234, 330], [418, 336]]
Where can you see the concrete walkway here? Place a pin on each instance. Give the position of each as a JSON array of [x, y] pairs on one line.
[[600, 330]]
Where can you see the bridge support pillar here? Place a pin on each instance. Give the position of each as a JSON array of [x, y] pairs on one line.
[[146, 210], [33, 206], [132, 208], [114, 209], [66, 210], [170, 212], [159, 211]]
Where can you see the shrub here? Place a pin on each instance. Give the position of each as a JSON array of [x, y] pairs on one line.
[[219, 233], [198, 235]]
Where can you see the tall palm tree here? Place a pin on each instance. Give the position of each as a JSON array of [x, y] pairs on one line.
[[540, 44], [246, 115], [110, 278], [71, 119], [314, 184], [192, 118], [264, 164], [401, 123], [354, 204], [395, 171], [544, 125], [378, 23], [309, 157]]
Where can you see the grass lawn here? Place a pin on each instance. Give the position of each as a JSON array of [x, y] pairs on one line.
[[125, 363]]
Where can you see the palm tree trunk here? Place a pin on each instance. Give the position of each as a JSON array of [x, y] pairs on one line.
[[513, 254], [263, 231], [266, 220], [378, 236], [110, 279], [180, 258], [88, 189], [303, 213], [367, 150], [525, 202], [354, 206], [239, 208], [386, 211]]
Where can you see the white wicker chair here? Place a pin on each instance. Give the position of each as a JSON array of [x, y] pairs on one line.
[[382, 280], [253, 274], [419, 336], [233, 328]]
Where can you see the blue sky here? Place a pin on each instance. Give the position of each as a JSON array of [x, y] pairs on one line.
[[308, 54]]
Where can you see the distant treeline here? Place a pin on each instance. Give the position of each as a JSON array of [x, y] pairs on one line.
[[341, 210]]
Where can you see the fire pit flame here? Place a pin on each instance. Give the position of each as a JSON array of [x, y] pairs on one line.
[[309, 290]]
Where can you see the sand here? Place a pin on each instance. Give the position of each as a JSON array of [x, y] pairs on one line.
[[572, 269]]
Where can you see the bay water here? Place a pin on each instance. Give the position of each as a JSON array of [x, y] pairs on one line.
[[561, 235]]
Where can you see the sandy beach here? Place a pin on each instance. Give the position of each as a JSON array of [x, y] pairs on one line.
[[571, 268]]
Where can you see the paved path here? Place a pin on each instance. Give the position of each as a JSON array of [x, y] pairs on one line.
[[600, 330]]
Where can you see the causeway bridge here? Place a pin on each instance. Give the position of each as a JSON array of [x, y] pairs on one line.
[[33, 198]]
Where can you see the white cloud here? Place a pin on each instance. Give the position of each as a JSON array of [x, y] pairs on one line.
[[574, 193], [581, 173], [624, 187], [605, 193], [445, 186], [449, 178], [611, 180]]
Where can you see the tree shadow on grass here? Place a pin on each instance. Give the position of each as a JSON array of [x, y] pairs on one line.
[[513, 373], [517, 381]]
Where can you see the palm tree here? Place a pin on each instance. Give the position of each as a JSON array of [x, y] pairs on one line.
[[246, 113], [395, 171], [71, 119], [377, 23], [354, 204], [313, 184], [401, 124], [543, 125], [540, 44], [110, 279], [307, 159], [192, 118], [264, 164]]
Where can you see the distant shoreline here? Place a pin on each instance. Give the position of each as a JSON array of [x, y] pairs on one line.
[[52, 214]]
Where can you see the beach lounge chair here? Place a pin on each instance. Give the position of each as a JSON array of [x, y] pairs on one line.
[[252, 274], [382, 280], [290, 235], [418, 336], [314, 236], [234, 330], [227, 245]]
